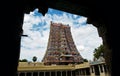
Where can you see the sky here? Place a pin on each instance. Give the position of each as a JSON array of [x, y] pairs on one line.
[[37, 27]]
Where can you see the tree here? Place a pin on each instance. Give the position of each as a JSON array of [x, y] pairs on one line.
[[23, 60], [85, 60], [99, 51], [34, 58]]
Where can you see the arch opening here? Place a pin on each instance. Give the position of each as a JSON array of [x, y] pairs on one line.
[[36, 27]]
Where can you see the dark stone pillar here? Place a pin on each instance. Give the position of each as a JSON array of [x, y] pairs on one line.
[[11, 29], [105, 33]]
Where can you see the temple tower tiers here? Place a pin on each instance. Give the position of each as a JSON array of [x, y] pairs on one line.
[[61, 49]]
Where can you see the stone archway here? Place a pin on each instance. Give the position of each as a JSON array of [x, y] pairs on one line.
[[88, 8]]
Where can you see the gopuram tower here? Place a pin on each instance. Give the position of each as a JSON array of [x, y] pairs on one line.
[[61, 49]]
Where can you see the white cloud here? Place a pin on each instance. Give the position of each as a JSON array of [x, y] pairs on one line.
[[28, 54], [85, 37], [82, 19]]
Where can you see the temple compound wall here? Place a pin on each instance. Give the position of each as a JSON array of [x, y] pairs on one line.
[[84, 69]]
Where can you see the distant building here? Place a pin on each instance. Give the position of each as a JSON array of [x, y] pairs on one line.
[[61, 48], [96, 68]]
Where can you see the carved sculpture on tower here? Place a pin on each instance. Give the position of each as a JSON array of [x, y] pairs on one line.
[[61, 49]]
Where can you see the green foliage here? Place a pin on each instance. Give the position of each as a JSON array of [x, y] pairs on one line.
[[99, 51], [85, 60], [34, 58], [23, 60]]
